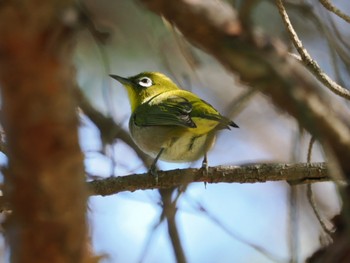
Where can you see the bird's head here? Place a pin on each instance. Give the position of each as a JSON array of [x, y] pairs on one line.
[[144, 86]]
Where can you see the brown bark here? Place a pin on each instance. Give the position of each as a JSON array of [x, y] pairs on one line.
[[45, 180], [298, 173]]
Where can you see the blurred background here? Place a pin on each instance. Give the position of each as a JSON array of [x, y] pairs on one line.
[[219, 222]]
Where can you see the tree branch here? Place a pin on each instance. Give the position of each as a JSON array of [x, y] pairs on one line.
[[263, 63], [109, 130], [306, 58], [169, 213], [329, 6], [299, 173]]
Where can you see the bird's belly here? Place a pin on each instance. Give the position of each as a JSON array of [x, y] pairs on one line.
[[180, 144]]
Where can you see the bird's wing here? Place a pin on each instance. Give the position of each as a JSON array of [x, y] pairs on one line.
[[172, 111], [180, 108], [203, 110]]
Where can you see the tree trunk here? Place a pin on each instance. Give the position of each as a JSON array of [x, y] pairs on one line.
[[44, 182]]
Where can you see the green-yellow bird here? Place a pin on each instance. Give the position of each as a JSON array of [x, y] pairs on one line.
[[169, 123]]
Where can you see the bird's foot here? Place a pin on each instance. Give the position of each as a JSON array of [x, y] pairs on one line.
[[153, 169], [205, 168], [153, 172]]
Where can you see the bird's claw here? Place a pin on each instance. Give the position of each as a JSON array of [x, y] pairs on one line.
[[205, 168], [153, 172]]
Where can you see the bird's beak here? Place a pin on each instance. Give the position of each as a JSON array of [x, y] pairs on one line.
[[122, 80]]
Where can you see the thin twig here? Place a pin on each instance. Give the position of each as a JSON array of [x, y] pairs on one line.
[[238, 104], [309, 149], [335, 40], [307, 60], [293, 205], [310, 196], [109, 130], [202, 209], [169, 213], [148, 242], [293, 225], [329, 6]]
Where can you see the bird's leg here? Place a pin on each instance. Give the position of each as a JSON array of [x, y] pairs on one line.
[[153, 169], [205, 163], [205, 167]]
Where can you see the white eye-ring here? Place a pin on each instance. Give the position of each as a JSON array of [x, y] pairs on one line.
[[145, 82]]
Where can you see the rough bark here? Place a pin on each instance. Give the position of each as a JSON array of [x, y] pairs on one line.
[[299, 173]]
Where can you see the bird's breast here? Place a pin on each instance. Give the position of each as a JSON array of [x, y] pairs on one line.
[[180, 144]]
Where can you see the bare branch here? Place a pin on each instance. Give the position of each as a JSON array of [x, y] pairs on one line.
[[328, 5], [200, 208], [306, 58], [293, 222], [169, 212], [311, 199], [109, 130], [300, 173], [310, 195]]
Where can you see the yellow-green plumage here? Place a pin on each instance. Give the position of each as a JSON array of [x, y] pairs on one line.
[[168, 120]]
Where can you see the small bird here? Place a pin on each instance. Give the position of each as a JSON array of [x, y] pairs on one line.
[[169, 123]]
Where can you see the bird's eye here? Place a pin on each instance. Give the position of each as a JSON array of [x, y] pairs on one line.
[[145, 82]]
